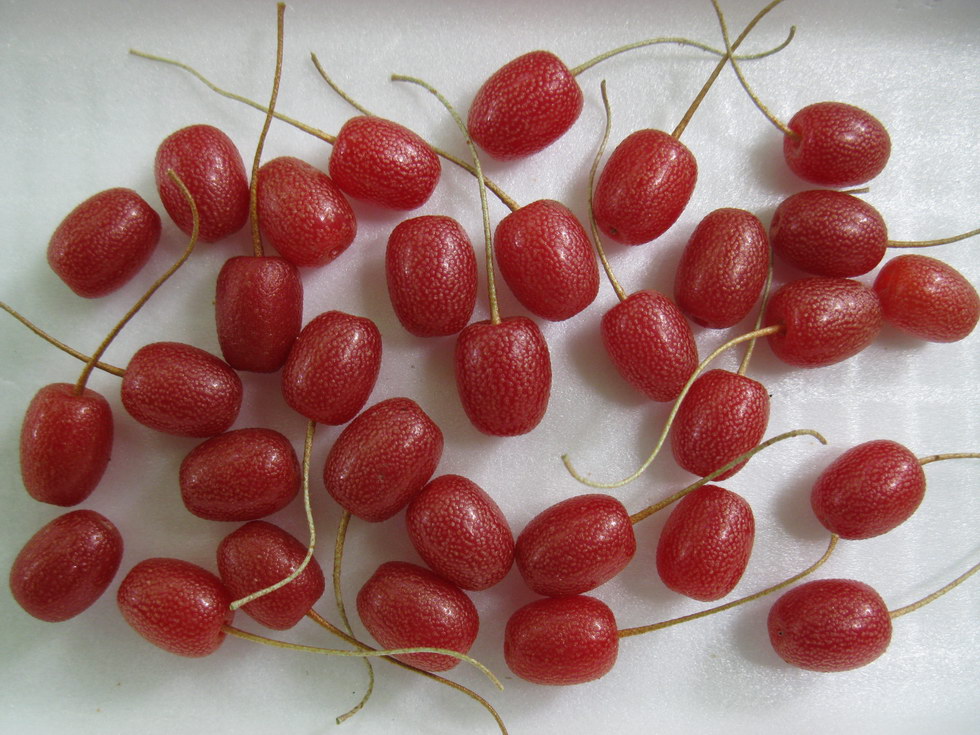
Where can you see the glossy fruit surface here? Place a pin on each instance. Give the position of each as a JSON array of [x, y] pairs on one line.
[[66, 566], [524, 106], [181, 389], [460, 532], [830, 625], [547, 259], [406, 606], [104, 241], [211, 168], [561, 640], [65, 444], [383, 458]]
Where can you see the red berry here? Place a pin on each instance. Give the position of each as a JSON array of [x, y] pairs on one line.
[[180, 389], [723, 268], [460, 532], [868, 490], [828, 233], [837, 145], [575, 545], [561, 640], [825, 320], [259, 312], [830, 625], [431, 273], [258, 555], [382, 459], [524, 106], [211, 167], [651, 344], [66, 566], [927, 298], [546, 258], [303, 213], [384, 163], [240, 475], [332, 367], [644, 187], [104, 241], [705, 544], [503, 375], [175, 605], [65, 444], [406, 606]]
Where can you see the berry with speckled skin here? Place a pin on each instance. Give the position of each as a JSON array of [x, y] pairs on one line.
[[175, 605], [104, 241], [547, 259], [837, 145], [332, 368], [927, 298], [382, 162], [503, 375], [830, 625], [644, 187], [828, 233], [382, 459], [705, 544], [575, 545], [524, 106], [460, 532], [65, 444], [404, 605], [302, 213], [824, 320], [209, 164], [722, 416], [240, 475], [868, 490], [66, 566], [260, 554], [651, 344], [723, 269], [561, 640], [430, 268]]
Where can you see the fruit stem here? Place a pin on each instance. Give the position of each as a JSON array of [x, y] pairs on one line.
[[627, 632], [729, 50], [340, 93], [930, 243], [772, 329], [488, 238], [650, 510], [938, 593], [743, 366], [100, 350], [596, 238], [951, 455]]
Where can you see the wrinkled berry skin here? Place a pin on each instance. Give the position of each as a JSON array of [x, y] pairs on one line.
[[524, 106], [830, 625], [65, 444], [404, 605], [66, 566], [430, 269], [644, 187], [460, 532], [927, 298], [104, 241], [839, 145], [723, 268], [561, 641], [382, 162], [575, 545], [211, 167], [382, 459], [825, 320], [868, 490], [547, 260]]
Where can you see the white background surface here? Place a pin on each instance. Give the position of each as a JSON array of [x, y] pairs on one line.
[[79, 115]]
